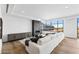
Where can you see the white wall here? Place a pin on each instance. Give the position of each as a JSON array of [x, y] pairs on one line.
[[15, 25], [70, 27], [0, 11], [0, 39]]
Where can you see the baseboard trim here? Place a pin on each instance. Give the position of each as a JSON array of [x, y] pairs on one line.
[[71, 37]]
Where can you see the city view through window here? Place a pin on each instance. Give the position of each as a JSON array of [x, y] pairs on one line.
[[55, 25]]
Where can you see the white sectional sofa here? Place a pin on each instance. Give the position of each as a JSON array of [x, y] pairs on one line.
[[44, 45]]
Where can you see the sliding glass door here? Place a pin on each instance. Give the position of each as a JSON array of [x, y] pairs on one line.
[[60, 24]]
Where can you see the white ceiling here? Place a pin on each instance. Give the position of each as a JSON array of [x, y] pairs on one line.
[[0, 11], [45, 11]]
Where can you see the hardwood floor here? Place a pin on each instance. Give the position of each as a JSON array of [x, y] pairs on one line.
[[14, 47], [67, 46]]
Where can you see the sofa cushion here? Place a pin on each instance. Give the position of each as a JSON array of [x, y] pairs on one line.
[[34, 39], [44, 40], [27, 42]]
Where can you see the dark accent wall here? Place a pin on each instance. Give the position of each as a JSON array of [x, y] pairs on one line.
[[0, 27], [32, 27], [36, 26]]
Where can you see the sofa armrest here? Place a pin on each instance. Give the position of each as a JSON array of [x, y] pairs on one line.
[[34, 44], [33, 48]]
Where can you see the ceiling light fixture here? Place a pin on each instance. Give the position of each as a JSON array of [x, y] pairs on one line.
[[22, 11], [66, 7]]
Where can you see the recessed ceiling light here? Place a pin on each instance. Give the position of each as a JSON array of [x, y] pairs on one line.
[[22, 11], [66, 7], [38, 19]]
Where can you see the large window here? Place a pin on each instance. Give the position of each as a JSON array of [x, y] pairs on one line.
[[55, 25], [60, 25], [78, 27]]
